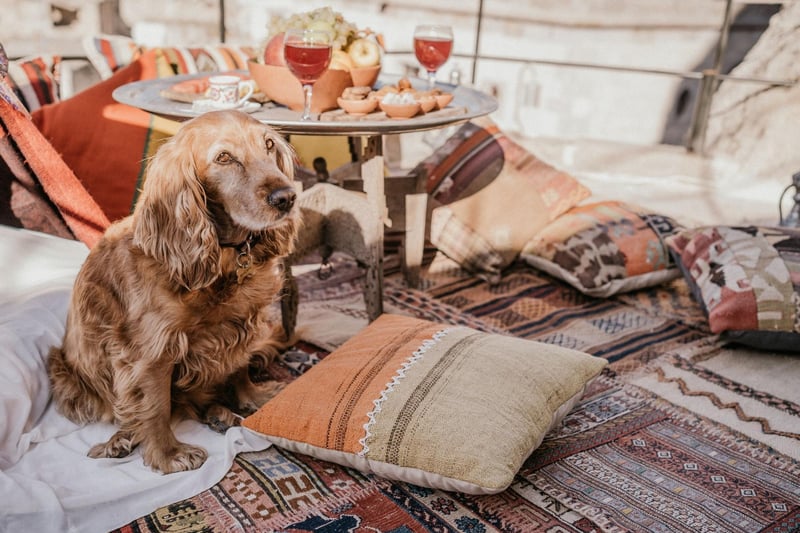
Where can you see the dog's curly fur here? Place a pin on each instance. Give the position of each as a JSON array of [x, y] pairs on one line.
[[171, 305]]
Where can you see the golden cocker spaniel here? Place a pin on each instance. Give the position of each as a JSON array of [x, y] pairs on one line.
[[171, 305]]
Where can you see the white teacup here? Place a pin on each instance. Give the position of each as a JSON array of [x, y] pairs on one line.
[[224, 91]]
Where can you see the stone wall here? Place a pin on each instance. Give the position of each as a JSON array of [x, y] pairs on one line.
[[536, 99], [755, 125]]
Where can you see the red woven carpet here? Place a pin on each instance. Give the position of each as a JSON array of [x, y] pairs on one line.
[[626, 459]]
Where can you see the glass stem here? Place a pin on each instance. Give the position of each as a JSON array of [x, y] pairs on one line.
[[307, 104], [431, 79]]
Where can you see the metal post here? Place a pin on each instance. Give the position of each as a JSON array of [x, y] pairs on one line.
[[697, 131], [708, 86], [722, 42], [222, 21], [477, 42]]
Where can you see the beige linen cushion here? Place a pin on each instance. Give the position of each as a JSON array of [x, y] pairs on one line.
[[434, 405]]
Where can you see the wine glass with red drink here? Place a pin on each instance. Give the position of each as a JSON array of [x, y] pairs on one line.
[[432, 46], [307, 54]]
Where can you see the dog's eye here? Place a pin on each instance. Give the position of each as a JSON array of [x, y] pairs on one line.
[[224, 158], [270, 144]]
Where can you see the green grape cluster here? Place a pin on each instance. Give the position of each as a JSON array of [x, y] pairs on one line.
[[324, 18]]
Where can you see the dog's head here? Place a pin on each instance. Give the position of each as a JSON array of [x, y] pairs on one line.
[[222, 178]]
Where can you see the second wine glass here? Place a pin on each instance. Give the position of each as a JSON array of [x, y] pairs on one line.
[[307, 54], [432, 46]]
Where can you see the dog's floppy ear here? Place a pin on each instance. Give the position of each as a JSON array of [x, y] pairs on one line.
[[285, 155], [171, 221]]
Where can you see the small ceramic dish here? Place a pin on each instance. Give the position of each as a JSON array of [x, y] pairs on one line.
[[427, 103], [443, 99], [400, 111], [358, 107]]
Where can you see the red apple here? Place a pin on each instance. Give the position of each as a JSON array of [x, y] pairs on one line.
[[273, 53]]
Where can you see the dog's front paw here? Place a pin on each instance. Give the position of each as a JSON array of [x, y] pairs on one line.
[[220, 418], [179, 458], [119, 445]]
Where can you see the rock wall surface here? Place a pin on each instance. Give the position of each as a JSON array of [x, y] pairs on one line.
[[757, 126]]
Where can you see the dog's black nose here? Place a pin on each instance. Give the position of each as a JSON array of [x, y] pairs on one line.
[[282, 199]]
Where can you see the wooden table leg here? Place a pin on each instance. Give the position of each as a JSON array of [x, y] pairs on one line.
[[414, 245], [373, 182]]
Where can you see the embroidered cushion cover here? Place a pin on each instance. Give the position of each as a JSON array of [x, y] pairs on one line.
[[439, 406], [605, 248], [748, 281], [495, 196]]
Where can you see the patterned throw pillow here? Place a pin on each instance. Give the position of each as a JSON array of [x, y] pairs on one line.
[[109, 53], [34, 80], [438, 406], [496, 196], [748, 281], [605, 248]]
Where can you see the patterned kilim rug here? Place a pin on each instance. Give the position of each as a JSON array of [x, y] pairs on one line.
[[680, 433]]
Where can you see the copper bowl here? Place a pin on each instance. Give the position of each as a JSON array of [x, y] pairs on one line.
[[365, 76], [358, 107], [443, 99], [280, 85], [400, 111]]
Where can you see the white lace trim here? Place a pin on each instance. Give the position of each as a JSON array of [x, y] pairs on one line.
[[401, 373]]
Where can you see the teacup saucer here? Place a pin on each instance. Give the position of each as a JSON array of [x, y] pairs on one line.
[[204, 105]]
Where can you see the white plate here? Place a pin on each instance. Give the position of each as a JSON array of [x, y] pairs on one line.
[[204, 105]]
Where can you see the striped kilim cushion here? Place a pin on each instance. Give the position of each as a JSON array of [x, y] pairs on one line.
[[434, 405], [34, 80], [109, 53]]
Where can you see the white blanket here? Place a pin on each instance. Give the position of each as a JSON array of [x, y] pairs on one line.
[[47, 483]]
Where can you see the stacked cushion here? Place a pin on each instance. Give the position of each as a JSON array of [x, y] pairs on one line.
[[494, 196]]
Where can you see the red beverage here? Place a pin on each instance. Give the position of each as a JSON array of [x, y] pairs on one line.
[[432, 52], [307, 61]]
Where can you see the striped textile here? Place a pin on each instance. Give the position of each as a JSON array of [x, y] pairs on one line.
[[34, 80], [43, 193], [109, 53]]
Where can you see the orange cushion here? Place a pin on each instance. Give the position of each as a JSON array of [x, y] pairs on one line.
[[107, 143], [440, 406]]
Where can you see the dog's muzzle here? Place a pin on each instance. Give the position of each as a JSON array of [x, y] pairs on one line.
[[282, 199]]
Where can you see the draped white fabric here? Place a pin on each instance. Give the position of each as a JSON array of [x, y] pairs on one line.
[[47, 483]]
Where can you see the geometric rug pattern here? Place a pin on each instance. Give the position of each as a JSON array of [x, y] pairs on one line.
[[681, 433]]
